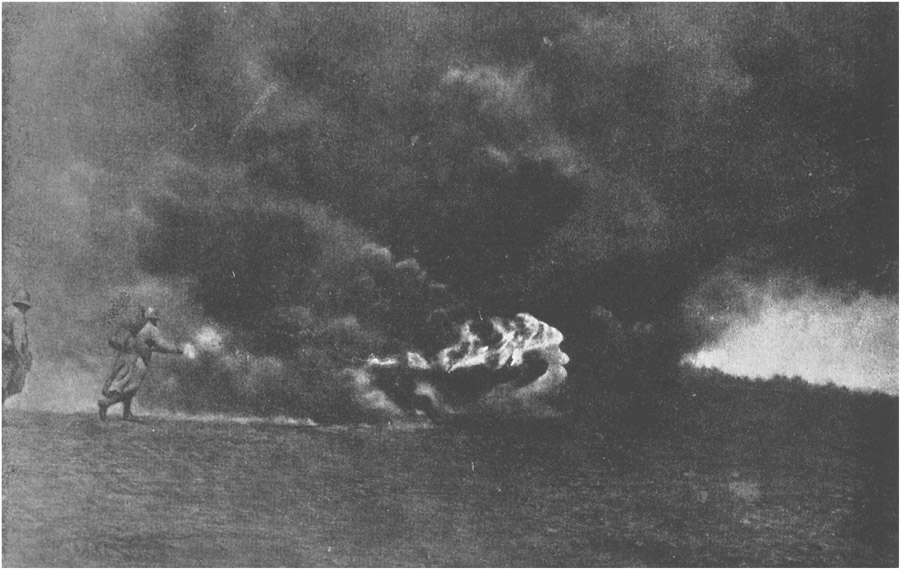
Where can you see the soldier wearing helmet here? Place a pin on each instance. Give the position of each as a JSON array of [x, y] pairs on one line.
[[16, 355], [126, 380]]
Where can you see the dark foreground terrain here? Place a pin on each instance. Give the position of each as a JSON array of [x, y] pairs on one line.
[[716, 472]]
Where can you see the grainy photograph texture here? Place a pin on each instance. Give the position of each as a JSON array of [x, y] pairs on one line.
[[484, 285]]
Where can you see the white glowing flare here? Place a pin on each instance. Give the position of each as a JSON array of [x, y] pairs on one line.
[[208, 339]]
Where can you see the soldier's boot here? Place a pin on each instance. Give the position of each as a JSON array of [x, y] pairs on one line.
[[102, 406], [106, 402], [127, 414]]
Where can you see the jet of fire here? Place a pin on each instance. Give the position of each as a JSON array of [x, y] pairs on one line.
[[517, 336], [207, 340], [491, 345]]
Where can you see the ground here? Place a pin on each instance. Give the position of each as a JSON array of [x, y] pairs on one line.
[[736, 474]]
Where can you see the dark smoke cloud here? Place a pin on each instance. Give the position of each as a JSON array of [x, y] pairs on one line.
[[619, 171]]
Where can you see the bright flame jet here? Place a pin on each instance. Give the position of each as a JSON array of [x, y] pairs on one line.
[[487, 346]]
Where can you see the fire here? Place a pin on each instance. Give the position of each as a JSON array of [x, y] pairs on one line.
[[493, 344], [518, 336], [375, 361], [207, 341]]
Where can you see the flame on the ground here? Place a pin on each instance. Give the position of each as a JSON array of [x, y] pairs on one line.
[[518, 336], [491, 344]]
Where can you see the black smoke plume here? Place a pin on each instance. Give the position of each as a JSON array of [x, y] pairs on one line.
[[322, 182]]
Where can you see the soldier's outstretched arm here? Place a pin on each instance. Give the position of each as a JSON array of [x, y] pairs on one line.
[[160, 344]]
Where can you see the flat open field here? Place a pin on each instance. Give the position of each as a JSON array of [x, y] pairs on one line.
[[224, 492]]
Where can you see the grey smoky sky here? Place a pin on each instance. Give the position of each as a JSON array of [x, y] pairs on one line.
[[231, 160]]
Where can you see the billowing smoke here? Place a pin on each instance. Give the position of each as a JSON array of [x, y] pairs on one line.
[[822, 337], [315, 183]]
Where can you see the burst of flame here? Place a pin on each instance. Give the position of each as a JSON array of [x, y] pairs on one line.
[[417, 361], [509, 342], [523, 334], [375, 361], [208, 339]]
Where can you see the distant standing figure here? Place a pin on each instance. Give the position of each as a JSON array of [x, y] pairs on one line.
[[132, 363], [16, 355]]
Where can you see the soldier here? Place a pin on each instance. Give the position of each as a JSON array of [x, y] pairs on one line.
[[123, 342], [16, 356], [132, 364]]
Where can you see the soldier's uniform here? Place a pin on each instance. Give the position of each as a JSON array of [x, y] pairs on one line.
[[132, 363], [16, 355]]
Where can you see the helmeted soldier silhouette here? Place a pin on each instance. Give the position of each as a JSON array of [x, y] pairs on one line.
[[16, 355], [134, 351]]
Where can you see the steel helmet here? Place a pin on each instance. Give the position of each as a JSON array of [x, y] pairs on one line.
[[22, 297], [151, 313]]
